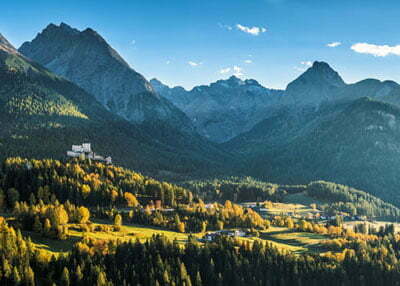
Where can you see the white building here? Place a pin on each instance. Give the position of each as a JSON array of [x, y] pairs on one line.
[[84, 151]]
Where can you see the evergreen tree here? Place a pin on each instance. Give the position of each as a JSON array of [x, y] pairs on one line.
[[65, 279]]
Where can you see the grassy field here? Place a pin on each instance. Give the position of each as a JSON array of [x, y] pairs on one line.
[[297, 242], [300, 198], [280, 237], [289, 209], [127, 233]]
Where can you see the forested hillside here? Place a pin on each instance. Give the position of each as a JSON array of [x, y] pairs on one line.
[[224, 262], [330, 197], [355, 143], [82, 183], [86, 207], [36, 105]]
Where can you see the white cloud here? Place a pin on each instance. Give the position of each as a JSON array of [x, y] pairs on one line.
[[237, 71], [333, 44], [248, 61], [226, 70], [376, 50], [255, 31], [194, 64], [306, 63], [224, 26], [304, 66]]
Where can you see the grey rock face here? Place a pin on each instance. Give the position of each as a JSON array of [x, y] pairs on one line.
[[314, 86], [6, 46], [86, 59], [224, 109]]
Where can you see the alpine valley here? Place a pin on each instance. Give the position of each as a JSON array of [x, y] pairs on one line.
[[70, 86], [108, 178]]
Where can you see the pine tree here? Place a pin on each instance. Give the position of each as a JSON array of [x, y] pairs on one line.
[[198, 281], [16, 277], [101, 279], [65, 281], [37, 225], [29, 276], [47, 227], [78, 273]]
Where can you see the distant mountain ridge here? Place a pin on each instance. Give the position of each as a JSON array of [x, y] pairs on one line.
[[86, 59], [355, 142], [225, 108], [42, 115], [318, 128], [315, 85], [6, 46]]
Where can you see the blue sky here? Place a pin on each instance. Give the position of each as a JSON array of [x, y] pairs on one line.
[[192, 42]]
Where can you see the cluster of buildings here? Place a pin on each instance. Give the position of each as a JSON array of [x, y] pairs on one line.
[[84, 151], [211, 236]]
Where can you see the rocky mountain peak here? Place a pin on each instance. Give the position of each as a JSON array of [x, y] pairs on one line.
[[61, 29], [321, 71], [234, 81], [225, 108], [252, 82], [315, 85], [6, 46], [85, 58], [157, 84]]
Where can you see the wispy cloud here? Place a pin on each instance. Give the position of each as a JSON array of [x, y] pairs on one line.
[[168, 62], [194, 64], [303, 66], [255, 31], [333, 44], [248, 61], [237, 71], [376, 50], [306, 63], [133, 42], [224, 26], [223, 71]]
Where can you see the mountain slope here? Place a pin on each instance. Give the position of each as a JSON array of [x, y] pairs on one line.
[[355, 143], [314, 86], [223, 109], [42, 115], [86, 59]]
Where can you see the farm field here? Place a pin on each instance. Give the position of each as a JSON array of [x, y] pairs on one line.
[[289, 208], [297, 242], [127, 233], [300, 198], [280, 237]]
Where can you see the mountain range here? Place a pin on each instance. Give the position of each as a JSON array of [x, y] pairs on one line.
[[86, 59], [318, 128], [43, 114], [68, 86], [224, 109]]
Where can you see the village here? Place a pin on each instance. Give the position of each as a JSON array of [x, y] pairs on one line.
[[269, 210]]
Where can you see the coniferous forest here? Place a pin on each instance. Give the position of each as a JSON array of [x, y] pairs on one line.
[[51, 200], [246, 160]]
